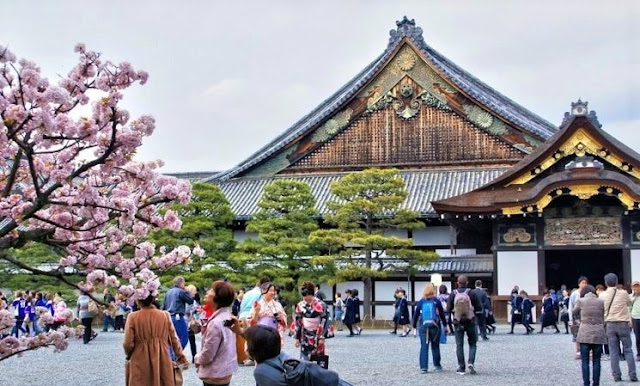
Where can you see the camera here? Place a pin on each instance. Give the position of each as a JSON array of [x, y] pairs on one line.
[[228, 323], [275, 315]]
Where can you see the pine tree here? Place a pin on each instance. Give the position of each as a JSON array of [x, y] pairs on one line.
[[367, 204], [283, 224]]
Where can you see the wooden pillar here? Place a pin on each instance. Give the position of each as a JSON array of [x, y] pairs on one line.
[[626, 266], [542, 274]]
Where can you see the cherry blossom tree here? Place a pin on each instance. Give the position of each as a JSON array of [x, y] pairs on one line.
[[68, 180]]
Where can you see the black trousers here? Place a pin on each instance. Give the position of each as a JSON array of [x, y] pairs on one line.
[[192, 344], [86, 322], [636, 332], [481, 323]]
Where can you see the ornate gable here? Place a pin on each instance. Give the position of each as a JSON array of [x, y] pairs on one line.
[[581, 160], [437, 112]]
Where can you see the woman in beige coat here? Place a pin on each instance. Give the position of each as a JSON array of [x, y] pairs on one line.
[[591, 335], [147, 336]]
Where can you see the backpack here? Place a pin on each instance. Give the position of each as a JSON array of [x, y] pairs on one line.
[[303, 373], [462, 308], [93, 308], [429, 313]]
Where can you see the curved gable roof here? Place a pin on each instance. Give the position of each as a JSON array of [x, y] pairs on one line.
[[406, 30]]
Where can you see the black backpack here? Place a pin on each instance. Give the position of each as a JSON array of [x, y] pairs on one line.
[[303, 373]]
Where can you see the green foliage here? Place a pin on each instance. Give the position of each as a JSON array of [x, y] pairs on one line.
[[206, 222], [283, 224], [367, 204]]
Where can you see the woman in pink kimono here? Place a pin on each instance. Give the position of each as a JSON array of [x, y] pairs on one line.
[[268, 311], [311, 315]]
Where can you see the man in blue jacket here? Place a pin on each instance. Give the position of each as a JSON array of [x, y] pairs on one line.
[[174, 302]]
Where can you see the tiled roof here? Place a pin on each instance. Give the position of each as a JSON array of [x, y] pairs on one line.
[[461, 264], [192, 176], [490, 98], [422, 186]]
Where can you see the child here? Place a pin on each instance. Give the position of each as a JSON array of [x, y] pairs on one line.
[[527, 317]]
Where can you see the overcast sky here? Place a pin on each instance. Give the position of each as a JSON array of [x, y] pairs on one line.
[[227, 78]]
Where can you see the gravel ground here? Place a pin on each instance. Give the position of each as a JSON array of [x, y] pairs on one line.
[[375, 358]]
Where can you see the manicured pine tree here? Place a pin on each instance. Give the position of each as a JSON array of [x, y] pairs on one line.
[[367, 204]]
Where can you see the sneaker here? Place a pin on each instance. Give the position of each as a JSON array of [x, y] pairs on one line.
[[633, 379], [437, 369], [423, 371], [360, 331], [606, 357], [393, 332], [248, 362], [472, 369], [460, 371]]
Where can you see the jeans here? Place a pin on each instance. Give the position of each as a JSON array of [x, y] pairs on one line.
[[481, 323], [86, 336], [108, 321], [620, 332], [584, 354], [472, 337], [429, 335], [180, 325], [18, 326], [636, 332]]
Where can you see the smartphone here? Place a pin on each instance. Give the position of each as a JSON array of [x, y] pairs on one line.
[[228, 323]]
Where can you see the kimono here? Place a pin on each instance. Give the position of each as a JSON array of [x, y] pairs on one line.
[[310, 319], [401, 315], [266, 316], [548, 312]]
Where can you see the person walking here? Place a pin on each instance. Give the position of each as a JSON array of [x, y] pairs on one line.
[[591, 333], [574, 319], [428, 318], [338, 310], [548, 313], [516, 307], [489, 316], [396, 312], [175, 302], [19, 305], [107, 313], [481, 321], [350, 312], [148, 335], [61, 313], [358, 320], [192, 314], [635, 315], [564, 310], [527, 311], [443, 296], [217, 360], [462, 304], [85, 316], [402, 313], [309, 322], [246, 306], [618, 326]]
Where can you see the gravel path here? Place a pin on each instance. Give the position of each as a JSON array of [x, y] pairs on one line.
[[375, 358]]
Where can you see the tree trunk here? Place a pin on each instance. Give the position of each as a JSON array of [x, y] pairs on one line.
[[368, 287]]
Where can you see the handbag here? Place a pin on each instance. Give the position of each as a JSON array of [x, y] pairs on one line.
[[321, 360], [195, 327], [177, 374]]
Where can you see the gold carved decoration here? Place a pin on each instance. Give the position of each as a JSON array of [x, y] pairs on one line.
[[517, 235], [583, 231], [583, 192], [580, 144], [406, 60]]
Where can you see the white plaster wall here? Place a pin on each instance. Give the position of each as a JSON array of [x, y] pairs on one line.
[[635, 264], [517, 268], [432, 236], [386, 289], [420, 287], [386, 312]]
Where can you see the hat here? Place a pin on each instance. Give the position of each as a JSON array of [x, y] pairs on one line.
[[635, 283]]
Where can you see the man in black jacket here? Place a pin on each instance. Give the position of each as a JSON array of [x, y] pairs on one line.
[[463, 302], [481, 321]]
